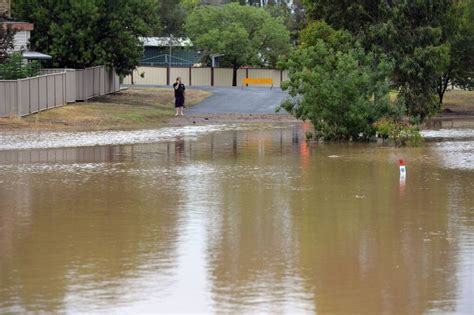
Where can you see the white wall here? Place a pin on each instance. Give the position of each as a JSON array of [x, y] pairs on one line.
[[22, 38]]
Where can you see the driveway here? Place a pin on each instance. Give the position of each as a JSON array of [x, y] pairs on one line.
[[235, 100]]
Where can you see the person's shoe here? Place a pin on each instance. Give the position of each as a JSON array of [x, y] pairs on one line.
[[176, 114]]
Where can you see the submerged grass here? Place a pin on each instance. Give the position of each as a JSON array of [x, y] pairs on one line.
[[129, 109]]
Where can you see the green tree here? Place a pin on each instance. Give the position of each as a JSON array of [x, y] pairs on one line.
[[417, 43], [122, 23], [460, 37], [13, 68], [85, 33], [7, 35], [413, 33], [366, 20], [172, 16], [293, 16], [336, 85], [244, 34]]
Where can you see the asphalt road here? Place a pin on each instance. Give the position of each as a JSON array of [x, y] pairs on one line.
[[235, 100], [249, 100]]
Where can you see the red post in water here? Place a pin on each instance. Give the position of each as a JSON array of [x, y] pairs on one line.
[[403, 169]]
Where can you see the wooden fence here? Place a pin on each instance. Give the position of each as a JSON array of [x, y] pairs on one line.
[[202, 76], [54, 88]]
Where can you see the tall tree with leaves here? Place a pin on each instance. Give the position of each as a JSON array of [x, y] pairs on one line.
[[351, 15], [417, 43], [122, 23], [172, 17], [7, 35], [413, 33], [85, 33], [460, 37], [244, 35], [292, 14]]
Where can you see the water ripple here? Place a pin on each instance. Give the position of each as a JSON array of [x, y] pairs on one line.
[[47, 140], [456, 154], [448, 134]]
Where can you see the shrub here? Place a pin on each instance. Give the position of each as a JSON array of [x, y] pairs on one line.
[[336, 85], [398, 133], [14, 68]]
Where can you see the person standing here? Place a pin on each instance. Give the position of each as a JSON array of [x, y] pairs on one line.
[[179, 89]]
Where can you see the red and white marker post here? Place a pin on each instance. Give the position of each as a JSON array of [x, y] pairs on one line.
[[403, 169]]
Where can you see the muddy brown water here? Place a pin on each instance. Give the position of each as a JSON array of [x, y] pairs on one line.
[[237, 220]]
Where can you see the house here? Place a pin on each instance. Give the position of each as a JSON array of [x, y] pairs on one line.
[[22, 35], [23, 29], [23, 32], [169, 51]]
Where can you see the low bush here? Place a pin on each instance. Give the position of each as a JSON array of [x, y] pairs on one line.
[[14, 68], [398, 133]]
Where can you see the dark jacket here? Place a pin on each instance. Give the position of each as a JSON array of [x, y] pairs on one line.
[[179, 92]]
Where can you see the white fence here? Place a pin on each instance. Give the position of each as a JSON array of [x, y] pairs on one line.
[[54, 88], [202, 76]]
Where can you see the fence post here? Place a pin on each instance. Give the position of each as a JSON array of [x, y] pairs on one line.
[[64, 87], [54, 84], [29, 94], [168, 70], [93, 82], [84, 85], [47, 92], [39, 103], [190, 76], [18, 108], [212, 76]]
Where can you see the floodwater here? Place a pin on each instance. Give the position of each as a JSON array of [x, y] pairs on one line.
[[235, 219]]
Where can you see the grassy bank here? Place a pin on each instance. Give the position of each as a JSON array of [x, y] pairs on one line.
[[129, 109], [151, 108], [459, 102], [455, 102]]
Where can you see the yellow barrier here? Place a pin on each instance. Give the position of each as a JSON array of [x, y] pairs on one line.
[[247, 81]]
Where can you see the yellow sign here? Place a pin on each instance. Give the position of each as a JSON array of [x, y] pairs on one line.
[[246, 81]]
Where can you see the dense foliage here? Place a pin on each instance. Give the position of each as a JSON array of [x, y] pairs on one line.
[[7, 35], [85, 33], [243, 34], [292, 14], [336, 85], [13, 68], [173, 15], [398, 133], [428, 41], [460, 38]]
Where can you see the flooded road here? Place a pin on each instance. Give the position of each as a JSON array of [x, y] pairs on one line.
[[237, 219]]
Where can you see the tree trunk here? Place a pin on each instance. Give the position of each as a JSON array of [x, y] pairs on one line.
[[442, 87]]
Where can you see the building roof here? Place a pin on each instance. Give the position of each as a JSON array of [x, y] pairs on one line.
[[33, 55], [166, 41], [17, 26]]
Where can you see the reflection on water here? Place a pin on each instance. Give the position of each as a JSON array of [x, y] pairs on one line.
[[239, 220], [450, 123]]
